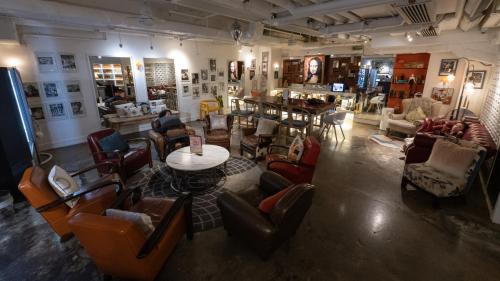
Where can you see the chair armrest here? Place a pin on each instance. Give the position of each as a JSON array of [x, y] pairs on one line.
[[100, 183], [271, 182], [270, 148], [397, 116], [184, 201], [113, 169], [248, 131], [147, 141], [283, 161]]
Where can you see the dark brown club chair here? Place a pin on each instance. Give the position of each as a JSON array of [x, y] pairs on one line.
[[265, 232], [249, 141], [219, 137], [93, 198], [121, 249], [128, 163]]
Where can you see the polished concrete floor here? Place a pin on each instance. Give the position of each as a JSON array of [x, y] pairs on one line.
[[361, 226]]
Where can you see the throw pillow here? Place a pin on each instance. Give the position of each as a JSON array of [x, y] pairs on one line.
[[451, 158], [142, 220], [415, 115], [267, 205], [63, 184], [168, 122], [265, 127], [458, 129], [296, 149], [113, 142], [218, 122]]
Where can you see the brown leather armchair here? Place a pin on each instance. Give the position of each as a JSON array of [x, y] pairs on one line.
[[121, 249], [128, 163], [265, 232], [169, 140], [250, 142], [93, 198], [219, 137]]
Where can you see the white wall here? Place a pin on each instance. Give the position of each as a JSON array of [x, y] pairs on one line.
[[192, 55]]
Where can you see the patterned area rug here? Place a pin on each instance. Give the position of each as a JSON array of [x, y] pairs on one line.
[[155, 182]]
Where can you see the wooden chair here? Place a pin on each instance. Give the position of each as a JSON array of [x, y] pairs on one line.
[[241, 110], [297, 118]]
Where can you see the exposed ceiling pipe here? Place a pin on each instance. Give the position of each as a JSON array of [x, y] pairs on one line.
[[451, 21], [371, 25], [330, 7]]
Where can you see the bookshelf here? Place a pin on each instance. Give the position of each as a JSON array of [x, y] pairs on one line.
[[108, 72]]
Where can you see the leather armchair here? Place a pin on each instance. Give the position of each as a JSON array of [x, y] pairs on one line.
[[250, 142], [127, 163], [301, 172], [265, 232], [219, 137], [120, 249], [171, 139], [93, 198]]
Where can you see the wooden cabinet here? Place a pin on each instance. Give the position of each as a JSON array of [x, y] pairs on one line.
[[409, 75], [292, 71]]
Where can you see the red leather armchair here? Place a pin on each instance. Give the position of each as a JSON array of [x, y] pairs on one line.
[[301, 172], [127, 163]]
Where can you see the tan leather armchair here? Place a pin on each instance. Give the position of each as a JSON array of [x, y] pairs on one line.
[[93, 198], [120, 249], [219, 136]]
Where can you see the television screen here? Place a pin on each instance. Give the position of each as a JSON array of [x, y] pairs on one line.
[[337, 87]]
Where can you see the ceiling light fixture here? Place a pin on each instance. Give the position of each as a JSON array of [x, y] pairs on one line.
[[151, 43], [180, 41], [120, 40], [409, 37], [236, 32]]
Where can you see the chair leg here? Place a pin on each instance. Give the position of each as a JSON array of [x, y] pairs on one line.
[[335, 130], [322, 130], [343, 136]]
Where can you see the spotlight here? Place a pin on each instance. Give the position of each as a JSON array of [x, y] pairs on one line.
[[409, 37], [120, 40]]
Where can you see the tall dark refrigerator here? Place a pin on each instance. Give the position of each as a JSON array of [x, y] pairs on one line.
[[17, 136]]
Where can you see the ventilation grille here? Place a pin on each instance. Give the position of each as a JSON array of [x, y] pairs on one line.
[[429, 32], [417, 13]]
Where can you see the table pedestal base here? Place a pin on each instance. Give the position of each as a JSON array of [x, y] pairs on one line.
[[198, 181]]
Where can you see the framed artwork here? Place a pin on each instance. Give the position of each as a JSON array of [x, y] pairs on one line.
[[265, 63], [185, 90], [196, 92], [196, 78], [204, 88], [478, 78], [447, 67], [335, 64], [221, 87], [51, 89], [37, 112], [56, 111], [221, 73], [213, 90], [252, 74], [276, 74], [313, 69], [204, 74], [31, 89], [444, 95], [235, 70], [68, 62], [184, 75], [77, 109], [253, 63], [213, 65], [46, 62], [72, 88], [212, 77]]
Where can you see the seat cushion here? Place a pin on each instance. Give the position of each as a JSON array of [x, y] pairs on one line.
[[250, 140], [218, 135], [434, 181]]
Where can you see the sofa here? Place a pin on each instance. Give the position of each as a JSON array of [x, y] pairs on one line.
[[399, 122]]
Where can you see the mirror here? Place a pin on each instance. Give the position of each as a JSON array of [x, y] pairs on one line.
[[160, 82]]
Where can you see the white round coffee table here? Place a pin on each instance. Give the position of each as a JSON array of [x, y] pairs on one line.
[[204, 169]]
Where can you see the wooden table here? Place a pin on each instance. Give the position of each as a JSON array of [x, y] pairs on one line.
[[115, 122], [314, 110]]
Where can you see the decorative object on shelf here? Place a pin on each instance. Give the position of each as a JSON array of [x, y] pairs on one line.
[[51, 89], [477, 78], [313, 69], [195, 78], [185, 90], [46, 62], [196, 144], [196, 92], [444, 95], [213, 65], [204, 74], [77, 109], [448, 66], [56, 111], [68, 62], [31, 89], [72, 88], [184, 75]]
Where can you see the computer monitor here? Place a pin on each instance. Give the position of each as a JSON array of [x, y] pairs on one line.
[[337, 87]]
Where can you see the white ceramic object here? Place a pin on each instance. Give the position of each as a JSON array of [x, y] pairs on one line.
[[182, 159]]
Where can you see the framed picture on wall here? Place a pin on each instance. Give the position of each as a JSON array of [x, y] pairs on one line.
[[478, 78], [185, 90], [46, 62], [444, 95], [252, 74], [213, 65], [204, 74], [204, 88], [213, 90], [447, 67], [265, 63], [184, 75], [221, 73], [221, 87], [31, 89], [37, 112], [235, 70], [313, 69], [68, 63], [335, 64], [196, 92], [51, 89], [196, 78], [212, 77], [56, 111], [77, 109], [253, 64], [72, 88]]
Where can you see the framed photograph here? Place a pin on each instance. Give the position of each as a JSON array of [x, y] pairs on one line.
[[335, 64], [478, 78], [196, 144], [313, 69], [56, 111], [72, 88], [221, 87], [46, 62], [51, 89], [444, 95], [276, 74], [77, 109], [204, 74], [204, 88], [185, 90], [447, 67], [252, 74], [195, 78], [212, 77], [253, 64], [31, 89], [265, 63], [221, 73], [213, 90], [37, 112], [235, 70], [213, 65], [184, 75], [68, 62], [196, 92]]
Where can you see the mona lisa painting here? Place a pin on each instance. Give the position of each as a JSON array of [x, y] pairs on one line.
[[314, 69]]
